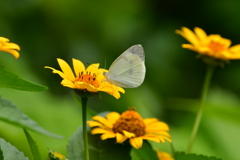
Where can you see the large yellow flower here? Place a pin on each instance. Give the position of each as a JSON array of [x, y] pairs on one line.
[[164, 156], [11, 48], [90, 80], [130, 126], [212, 45]]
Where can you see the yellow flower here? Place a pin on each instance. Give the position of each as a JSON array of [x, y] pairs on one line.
[[9, 47], [130, 126], [86, 80], [56, 156], [164, 156], [213, 45]]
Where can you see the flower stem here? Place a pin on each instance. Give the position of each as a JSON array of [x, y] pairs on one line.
[[205, 89], [84, 122], [172, 150]]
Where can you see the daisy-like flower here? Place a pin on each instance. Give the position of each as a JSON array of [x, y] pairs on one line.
[[130, 126], [11, 48], [164, 156], [211, 46], [56, 156], [90, 80]]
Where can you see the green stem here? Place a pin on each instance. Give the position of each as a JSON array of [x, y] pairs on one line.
[[172, 150], [84, 122], [205, 89]]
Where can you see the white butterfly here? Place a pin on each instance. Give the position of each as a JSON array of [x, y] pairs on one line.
[[128, 70]]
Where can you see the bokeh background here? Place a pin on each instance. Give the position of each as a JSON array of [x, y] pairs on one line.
[[98, 32]]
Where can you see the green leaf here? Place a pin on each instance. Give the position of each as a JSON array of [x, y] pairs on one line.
[[11, 114], [184, 156], [10, 80], [33, 146], [146, 152], [9, 152], [98, 149]]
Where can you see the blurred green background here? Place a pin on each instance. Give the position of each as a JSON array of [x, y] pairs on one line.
[[98, 32]]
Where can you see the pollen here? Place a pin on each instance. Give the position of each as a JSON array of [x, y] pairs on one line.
[[130, 121], [88, 78], [216, 46]]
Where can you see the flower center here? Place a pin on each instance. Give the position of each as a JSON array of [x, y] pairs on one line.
[[216, 46], [130, 121], [88, 78]]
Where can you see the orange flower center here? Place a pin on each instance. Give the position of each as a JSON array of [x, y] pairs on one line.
[[130, 121], [216, 46], [88, 78]]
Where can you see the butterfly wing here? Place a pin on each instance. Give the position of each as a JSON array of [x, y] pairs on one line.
[[128, 70]]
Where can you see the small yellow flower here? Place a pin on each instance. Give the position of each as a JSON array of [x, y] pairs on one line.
[[56, 156], [130, 125], [11, 48], [164, 156], [86, 80], [213, 45]]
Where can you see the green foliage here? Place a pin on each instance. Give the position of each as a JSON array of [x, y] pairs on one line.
[[33, 146], [184, 156], [9, 152], [11, 114], [98, 149], [146, 152], [10, 80]]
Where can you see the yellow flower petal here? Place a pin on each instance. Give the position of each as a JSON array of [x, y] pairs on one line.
[[136, 142], [11, 48], [66, 69], [100, 72], [164, 156], [189, 35], [112, 117], [201, 34], [4, 39], [103, 121], [235, 48], [78, 66], [13, 52], [120, 138], [128, 134], [148, 121], [87, 86], [156, 126], [161, 133], [58, 72], [68, 83], [154, 139], [94, 124], [99, 131], [111, 89], [108, 135], [92, 68]]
